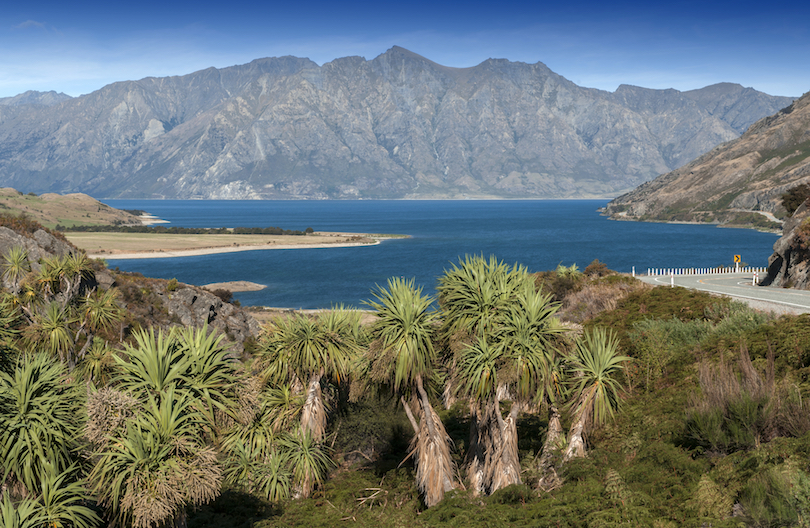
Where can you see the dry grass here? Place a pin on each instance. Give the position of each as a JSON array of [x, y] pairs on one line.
[[595, 298]]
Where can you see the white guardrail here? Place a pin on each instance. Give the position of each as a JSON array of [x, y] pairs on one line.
[[666, 272], [692, 272]]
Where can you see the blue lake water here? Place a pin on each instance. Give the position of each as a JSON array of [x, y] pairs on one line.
[[537, 234]]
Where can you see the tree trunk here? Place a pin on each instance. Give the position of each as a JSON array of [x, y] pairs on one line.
[[549, 479], [313, 415], [435, 472], [475, 459], [504, 461], [411, 418], [576, 441]]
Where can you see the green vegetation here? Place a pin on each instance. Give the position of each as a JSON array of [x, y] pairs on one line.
[[794, 197], [681, 409]]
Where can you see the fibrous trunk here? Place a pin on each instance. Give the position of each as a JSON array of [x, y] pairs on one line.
[[576, 441], [313, 415], [548, 471], [435, 472], [502, 460], [475, 459]]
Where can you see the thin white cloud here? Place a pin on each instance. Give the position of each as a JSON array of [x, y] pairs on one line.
[[28, 24]]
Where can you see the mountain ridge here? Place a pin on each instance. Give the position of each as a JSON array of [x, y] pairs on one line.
[[396, 126], [748, 174]]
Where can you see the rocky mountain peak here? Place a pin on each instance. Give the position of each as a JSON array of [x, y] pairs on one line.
[[396, 126]]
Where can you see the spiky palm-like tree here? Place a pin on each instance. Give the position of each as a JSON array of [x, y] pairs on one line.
[[18, 514], [191, 361], [151, 366], [52, 330], [61, 501], [211, 375], [99, 310], [495, 322], [38, 420], [402, 356], [49, 278], [310, 351], [595, 387], [307, 459], [475, 293], [510, 361], [258, 454], [147, 477], [15, 267]]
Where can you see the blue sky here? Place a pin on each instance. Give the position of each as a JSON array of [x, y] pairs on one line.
[[79, 47]]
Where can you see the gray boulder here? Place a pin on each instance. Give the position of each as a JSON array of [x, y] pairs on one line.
[[196, 307]]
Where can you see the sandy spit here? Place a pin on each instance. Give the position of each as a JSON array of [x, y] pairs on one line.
[[221, 249]]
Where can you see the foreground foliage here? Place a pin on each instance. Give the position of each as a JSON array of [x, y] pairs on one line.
[[682, 409]]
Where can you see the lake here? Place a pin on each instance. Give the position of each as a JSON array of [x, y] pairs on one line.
[[537, 234]]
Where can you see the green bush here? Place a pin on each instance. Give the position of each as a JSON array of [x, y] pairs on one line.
[[766, 500]]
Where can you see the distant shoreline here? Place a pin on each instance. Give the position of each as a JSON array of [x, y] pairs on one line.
[[155, 254]]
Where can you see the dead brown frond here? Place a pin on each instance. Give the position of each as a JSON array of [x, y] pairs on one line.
[[108, 413], [156, 495], [248, 401]]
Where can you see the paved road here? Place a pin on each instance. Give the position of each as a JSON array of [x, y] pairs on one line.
[[739, 286]]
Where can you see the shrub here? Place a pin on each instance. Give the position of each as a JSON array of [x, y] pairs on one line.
[[656, 342], [736, 411], [596, 269], [793, 198], [223, 294], [766, 500], [513, 494], [171, 285]]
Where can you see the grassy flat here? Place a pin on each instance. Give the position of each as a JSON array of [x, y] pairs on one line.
[[117, 244]]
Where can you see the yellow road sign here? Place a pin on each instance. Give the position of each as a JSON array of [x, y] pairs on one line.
[[737, 259]]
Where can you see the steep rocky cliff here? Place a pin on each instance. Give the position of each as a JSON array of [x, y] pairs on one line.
[[748, 174], [789, 266], [396, 126]]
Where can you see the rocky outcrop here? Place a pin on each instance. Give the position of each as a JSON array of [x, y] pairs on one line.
[[789, 266], [195, 307], [39, 245], [748, 174], [396, 126]]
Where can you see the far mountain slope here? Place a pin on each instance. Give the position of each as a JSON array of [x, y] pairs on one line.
[[724, 185], [396, 126]]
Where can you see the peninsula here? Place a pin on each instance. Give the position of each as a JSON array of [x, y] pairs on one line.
[[155, 245]]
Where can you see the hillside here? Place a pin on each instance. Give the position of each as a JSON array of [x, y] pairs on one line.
[[396, 126], [723, 186], [69, 210]]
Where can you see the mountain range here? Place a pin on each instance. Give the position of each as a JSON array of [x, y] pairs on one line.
[[396, 126], [726, 184]]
